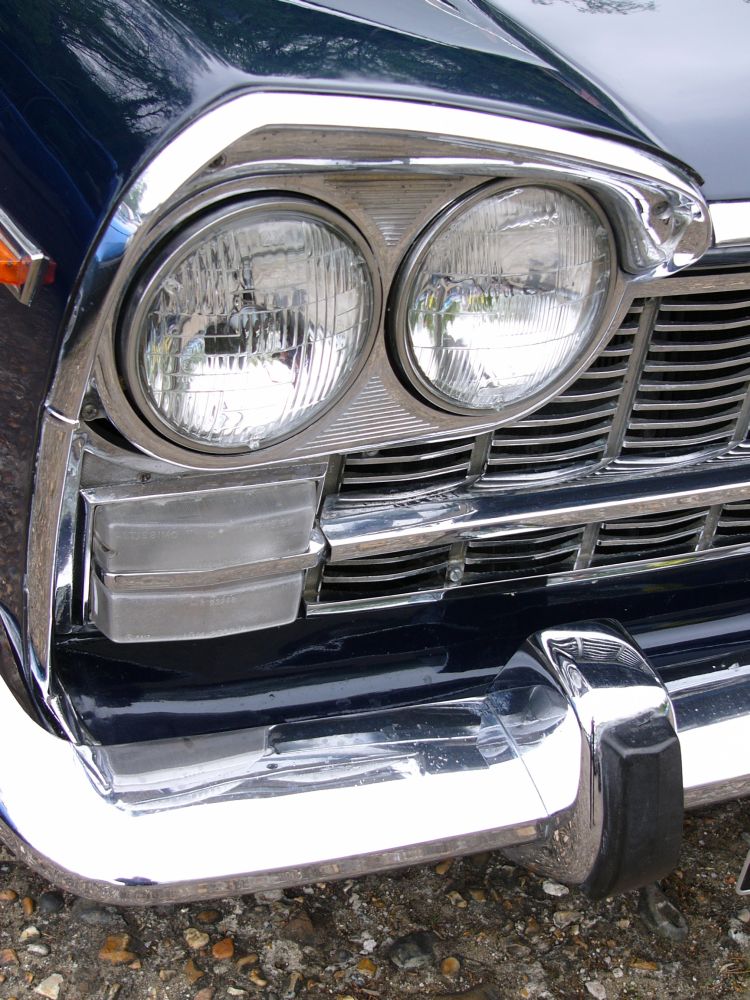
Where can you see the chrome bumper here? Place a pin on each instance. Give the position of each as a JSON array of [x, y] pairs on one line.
[[576, 764]]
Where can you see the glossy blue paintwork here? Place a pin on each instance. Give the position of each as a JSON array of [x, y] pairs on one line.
[[340, 663], [679, 69]]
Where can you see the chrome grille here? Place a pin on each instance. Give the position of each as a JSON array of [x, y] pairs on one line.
[[541, 552], [568, 436], [655, 536], [406, 469], [404, 572], [733, 524], [671, 388], [694, 381]]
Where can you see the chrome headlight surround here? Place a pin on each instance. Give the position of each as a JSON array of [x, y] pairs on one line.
[[254, 210], [654, 211], [404, 287]]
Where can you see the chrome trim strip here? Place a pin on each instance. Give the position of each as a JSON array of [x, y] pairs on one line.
[[471, 515], [518, 767], [22, 246], [731, 222], [265, 570]]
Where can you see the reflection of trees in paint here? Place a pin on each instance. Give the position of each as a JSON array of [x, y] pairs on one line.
[[606, 6]]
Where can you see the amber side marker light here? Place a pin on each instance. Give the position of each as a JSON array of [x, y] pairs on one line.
[[23, 266]]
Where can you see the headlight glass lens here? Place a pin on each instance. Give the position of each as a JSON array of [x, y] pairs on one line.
[[505, 297], [249, 329]]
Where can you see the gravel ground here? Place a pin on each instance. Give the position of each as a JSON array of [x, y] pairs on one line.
[[477, 928]]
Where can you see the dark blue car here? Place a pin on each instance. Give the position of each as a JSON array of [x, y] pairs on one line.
[[374, 436]]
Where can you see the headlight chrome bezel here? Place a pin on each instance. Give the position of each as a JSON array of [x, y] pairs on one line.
[[129, 327], [402, 291]]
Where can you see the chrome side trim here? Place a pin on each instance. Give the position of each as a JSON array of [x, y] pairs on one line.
[[22, 246], [522, 768], [473, 514], [731, 222], [263, 570]]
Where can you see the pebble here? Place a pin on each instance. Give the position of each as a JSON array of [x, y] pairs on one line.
[[234, 992], [643, 965], [96, 915], [457, 899], [8, 895], [618, 973], [50, 902], [223, 949], [256, 978], [208, 917], [300, 929], [30, 933], [167, 974], [444, 866], [247, 960], [28, 905], [39, 949], [555, 889], [115, 950], [206, 993], [296, 981], [192, 971], [367, 967], [50, 987], [738, 934], [269, 896], [478, 895], [564, 918], [8, 957], [744, 916], [596, 989], [450, 966], [195, 939], [412, 951]]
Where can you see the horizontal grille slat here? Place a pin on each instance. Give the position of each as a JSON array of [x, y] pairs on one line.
[[418, 569], [694, 381], [406, 469], [648, 537], [544, 551], [568, 436]]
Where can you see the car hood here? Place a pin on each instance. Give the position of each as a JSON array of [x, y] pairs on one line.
[[677, 69]]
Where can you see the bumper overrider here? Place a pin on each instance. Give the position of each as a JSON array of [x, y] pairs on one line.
[[578, 763]]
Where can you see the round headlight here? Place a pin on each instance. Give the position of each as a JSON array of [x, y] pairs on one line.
[[250, 325], [501, 298]]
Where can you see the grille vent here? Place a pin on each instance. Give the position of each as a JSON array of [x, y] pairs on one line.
[[655, 536], [694, 381], [381, 576], [733, 524], [569, 435], [539, 553], [407, 469]]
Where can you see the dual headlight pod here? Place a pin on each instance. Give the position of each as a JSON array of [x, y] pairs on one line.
[[253, 323]]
